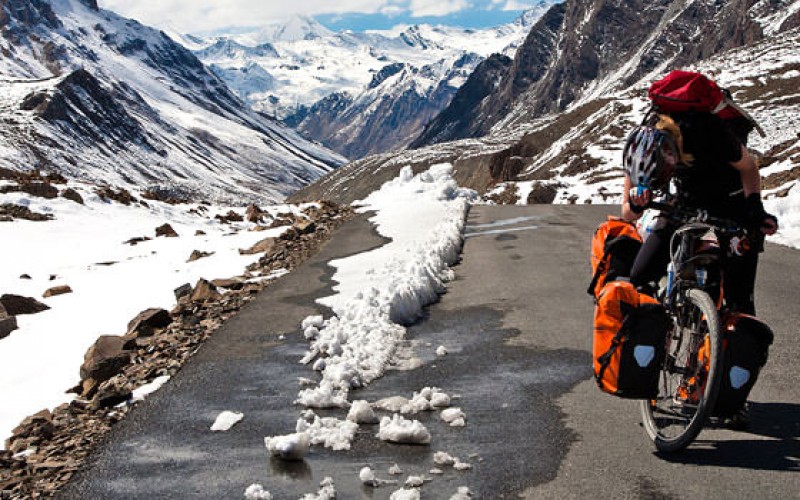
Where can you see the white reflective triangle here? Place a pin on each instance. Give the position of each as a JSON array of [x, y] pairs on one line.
[[644, 354], [739, 376]]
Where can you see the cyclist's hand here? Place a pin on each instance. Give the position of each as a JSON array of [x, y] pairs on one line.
[[769, 225], [758, 217], [639, 199]]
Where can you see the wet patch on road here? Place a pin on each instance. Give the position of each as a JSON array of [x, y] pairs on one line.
[[515, 435]]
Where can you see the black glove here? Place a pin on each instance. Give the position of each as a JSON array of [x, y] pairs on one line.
[[757, 217]]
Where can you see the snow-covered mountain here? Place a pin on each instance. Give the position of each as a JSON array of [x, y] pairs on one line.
[[102, 98], [346, 89], [561, 109]]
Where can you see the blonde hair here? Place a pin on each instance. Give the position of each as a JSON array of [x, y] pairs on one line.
[[667, 124]]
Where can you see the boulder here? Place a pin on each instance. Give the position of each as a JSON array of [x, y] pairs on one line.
[[231, 216], [262, 246], [198, 254], [40, 189], [72, 195], [16, 305], [199, 232], [105, 358], [57, 290], [145, 323], [305, 226], [7, 323], [204, 291], [38, 426], [232, 284], [138, 239], [183, 291], [253, 213], [542, 194], [111, 393], [166, 231]]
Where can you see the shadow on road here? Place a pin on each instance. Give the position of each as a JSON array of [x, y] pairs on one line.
[[778, 421]]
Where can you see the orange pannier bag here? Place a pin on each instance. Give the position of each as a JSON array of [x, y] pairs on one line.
[[630, 331], [615, 244]]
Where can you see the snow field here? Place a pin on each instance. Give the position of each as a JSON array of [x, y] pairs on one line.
[[111, 282]]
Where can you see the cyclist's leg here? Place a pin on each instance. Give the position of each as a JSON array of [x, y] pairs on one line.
[[740, 279], [651, 261]]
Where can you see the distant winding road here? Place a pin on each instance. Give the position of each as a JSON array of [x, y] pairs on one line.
[[517, 324]]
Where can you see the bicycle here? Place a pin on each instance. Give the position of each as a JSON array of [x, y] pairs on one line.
[[691, 373]]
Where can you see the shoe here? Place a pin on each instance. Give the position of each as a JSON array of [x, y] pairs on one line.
[[740, 420]]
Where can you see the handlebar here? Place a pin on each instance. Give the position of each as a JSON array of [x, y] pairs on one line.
[[684, 215]]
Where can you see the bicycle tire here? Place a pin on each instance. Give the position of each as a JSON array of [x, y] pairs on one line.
[[667, 410]]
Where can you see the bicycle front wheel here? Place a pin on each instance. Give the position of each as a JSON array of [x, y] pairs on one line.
[[690, 377]]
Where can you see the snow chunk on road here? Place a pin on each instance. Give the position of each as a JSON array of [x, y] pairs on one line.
[[463, 493], [427, 399], [256, 492], [454, 416], [327, 491], [329, 431], [226, 420], [406, 494], [289, 447], [399, 430], [441, 351], [443, 458], [367, 477], [361, 413]]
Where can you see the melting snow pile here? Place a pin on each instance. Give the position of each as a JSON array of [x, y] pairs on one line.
[[327, 491], [257, 492], [378, 291], [289, 447], [397, 429]]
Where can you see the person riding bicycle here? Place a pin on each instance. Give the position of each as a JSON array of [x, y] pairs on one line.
[[700, 162]]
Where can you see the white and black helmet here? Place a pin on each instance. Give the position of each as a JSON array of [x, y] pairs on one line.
[[649, 157]]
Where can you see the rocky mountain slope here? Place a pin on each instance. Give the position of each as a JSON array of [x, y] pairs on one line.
[[357, 93], [566, 111], [101, 98]]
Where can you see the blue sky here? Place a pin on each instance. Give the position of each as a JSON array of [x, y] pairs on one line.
[[470, 18], [204, 16]]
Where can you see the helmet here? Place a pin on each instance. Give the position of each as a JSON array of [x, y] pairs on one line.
[[649, 157]]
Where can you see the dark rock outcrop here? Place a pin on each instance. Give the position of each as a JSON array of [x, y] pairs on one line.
[[578, 43], [166, 231], [16, 305], [454, 121], [148, 321]]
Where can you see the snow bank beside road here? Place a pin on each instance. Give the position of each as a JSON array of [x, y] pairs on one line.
[[380, 290]]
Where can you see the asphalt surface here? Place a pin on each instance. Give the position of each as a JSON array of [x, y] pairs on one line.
[[517, 324]]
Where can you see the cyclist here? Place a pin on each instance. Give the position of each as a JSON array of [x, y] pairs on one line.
[[699, 162]]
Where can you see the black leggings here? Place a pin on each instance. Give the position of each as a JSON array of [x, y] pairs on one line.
[[740, 272]]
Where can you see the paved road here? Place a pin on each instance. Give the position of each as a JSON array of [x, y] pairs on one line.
[[517, 323]]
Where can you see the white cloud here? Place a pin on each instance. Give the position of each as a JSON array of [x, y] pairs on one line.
[[513, 5], [194, 16], [421, 8]]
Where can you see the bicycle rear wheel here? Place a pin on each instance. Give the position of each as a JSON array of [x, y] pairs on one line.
[[690, 376]]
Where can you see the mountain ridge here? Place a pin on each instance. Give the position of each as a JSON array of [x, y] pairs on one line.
[[102, 98], [572, 155]]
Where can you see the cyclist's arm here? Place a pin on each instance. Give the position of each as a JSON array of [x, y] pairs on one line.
[[748, 170], [751, 182]]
